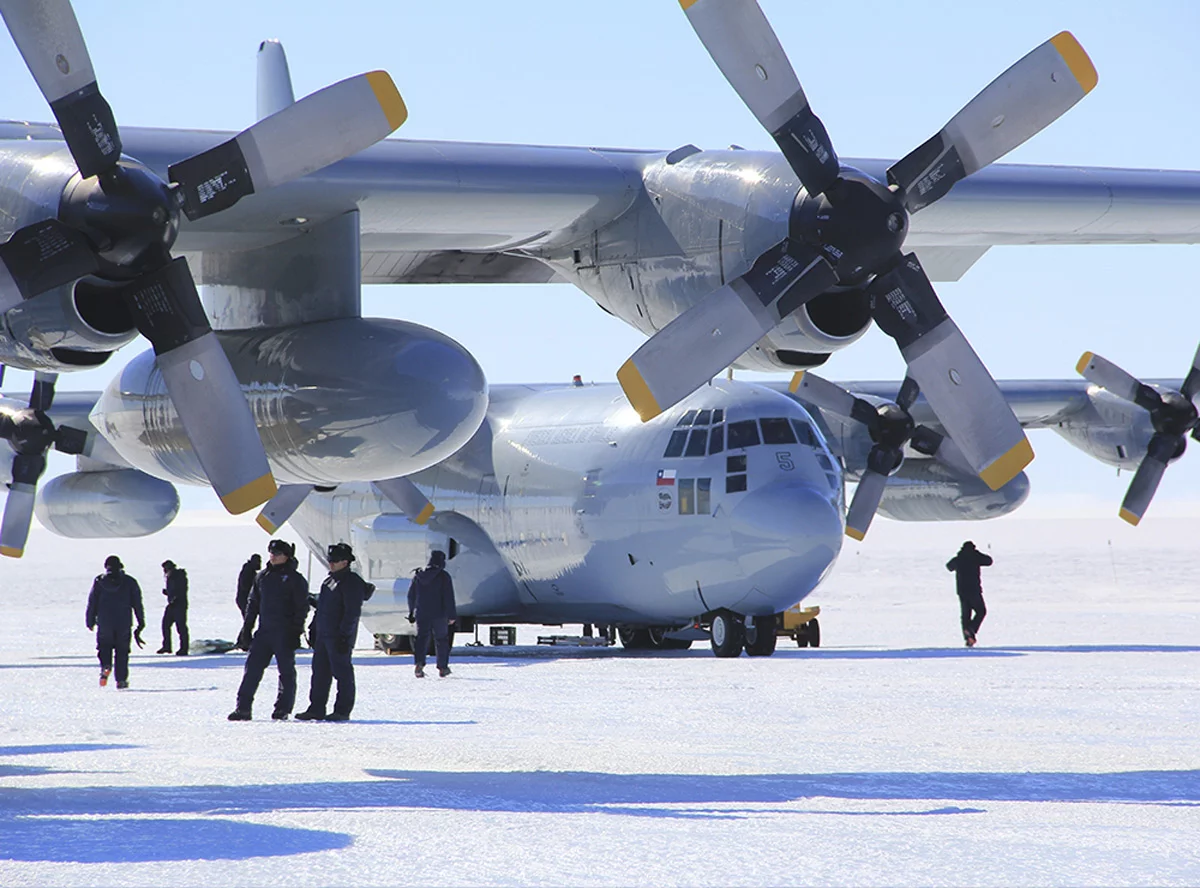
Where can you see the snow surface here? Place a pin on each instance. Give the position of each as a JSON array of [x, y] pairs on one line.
[[1063, 750]]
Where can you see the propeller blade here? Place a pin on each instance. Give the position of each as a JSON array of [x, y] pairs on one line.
[[832, 397], [741, 41], [710, 335], [865, 503], [202, 386], [282, 506], [323, 128], [1015, 106], [18, 507], [1141, 489], [1191, 384], [957, 385], [48, 36], [907, 396], [1108, 375], [407, 497], [925, 440], [40, 257]]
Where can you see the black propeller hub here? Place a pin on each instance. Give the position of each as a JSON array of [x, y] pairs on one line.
[[858, 224], [1174, 415], [130, 214], [893, 428], [29, 431]]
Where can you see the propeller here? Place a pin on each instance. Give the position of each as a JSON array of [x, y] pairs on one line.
[[847, 230], [120, 221], [31, 433], [891, 427], [402, 493], [1173, 415]]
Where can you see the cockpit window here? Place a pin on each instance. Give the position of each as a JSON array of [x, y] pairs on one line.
[[743, 434], [716, 439], [718, 415], [777, 431], [687, 418], [804, 432], [675, 445], [702, 417], [697, 442]]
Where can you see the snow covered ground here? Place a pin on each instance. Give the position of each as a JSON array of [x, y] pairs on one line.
[[1064, 750]]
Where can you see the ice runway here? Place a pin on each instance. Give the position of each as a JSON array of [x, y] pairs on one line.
[[1064, 750]]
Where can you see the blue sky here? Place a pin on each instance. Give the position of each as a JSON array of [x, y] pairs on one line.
[[883, 77]]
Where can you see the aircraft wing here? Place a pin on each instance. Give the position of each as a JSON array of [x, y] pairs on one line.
[[474, 212]]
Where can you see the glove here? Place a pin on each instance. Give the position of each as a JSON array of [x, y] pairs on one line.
[[343, 645], [243, 640], [137, 636], [91, 626], [411, 617]]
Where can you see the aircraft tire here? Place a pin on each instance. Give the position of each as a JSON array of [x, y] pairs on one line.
[[634, 638], [760, 641], [812, 631], [659, 642], [728, 634]]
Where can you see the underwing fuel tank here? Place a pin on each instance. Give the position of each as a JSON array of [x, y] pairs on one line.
[[354, 399], [118, 503]]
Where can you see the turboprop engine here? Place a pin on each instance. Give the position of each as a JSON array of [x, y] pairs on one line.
[[355, 399]]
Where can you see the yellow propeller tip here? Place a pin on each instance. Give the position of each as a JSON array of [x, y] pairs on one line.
[[1077, 60], [11, 551], [389, 98], [1130, 517], [855, 534], [797, 378], [1083, 362], [266, 524], [425, 515], [1006, 467], [637, 391]]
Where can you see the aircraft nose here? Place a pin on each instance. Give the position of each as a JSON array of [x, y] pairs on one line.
[[786, 535]]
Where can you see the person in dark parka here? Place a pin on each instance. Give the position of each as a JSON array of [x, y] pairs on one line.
[[279, 602], [966, 566], [176, 589], [115, 599], [245, 581], [334, 629], [431, 605]]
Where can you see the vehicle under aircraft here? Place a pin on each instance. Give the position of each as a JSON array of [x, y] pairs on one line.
[[241, 259], [709, 521]]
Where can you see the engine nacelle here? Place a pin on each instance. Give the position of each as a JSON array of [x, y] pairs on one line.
[[112, 503], [355, 399], [925, 490], [1111, 429], [68, 328]]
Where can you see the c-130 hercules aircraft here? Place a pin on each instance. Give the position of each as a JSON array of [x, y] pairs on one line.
[[755, 259]]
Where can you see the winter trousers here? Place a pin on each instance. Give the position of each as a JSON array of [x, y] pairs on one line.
[[973, 612], [112, 643], [175, 616], [263, 647], [440, 631], [328, 664]]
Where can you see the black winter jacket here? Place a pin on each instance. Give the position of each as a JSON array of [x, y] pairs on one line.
[[177, 589], [114, 601], [431, 595], [245, 583], [340, 604], [279, 600], [966, 566]]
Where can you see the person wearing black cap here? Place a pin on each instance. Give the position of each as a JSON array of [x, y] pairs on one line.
[[175, 614], [279, 602], [115, 599], [245, 581], [966, 566], [431, 605], [334, 629]]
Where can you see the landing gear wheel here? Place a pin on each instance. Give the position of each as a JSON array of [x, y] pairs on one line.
[[760, 639], [659, 641], [812, 630], [728, 634], [633, 638], [394, 644]]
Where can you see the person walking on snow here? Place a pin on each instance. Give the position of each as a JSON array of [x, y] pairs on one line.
[[279, 602], [175, 615], [431, 605], [115, 599], [966, 566], [335, 626]]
